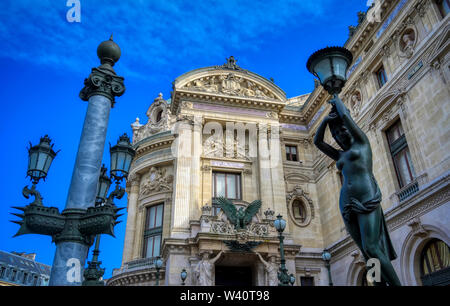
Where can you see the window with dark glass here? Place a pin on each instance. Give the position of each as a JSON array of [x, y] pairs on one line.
[[291, 153], [13, 275], [307, 281], [2, 272], [25, 277], [153, 231], [400, 154], [435, 263], [381, 76], [299, 211]]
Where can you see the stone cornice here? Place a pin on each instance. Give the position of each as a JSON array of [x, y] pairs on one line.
[[153, 143], [136, 277], [256, 103], [364, 30]]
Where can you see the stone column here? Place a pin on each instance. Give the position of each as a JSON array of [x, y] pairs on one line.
[[101, 87], [277, 173], [195, 203], [133, 195], [180, 210], [265, 177]]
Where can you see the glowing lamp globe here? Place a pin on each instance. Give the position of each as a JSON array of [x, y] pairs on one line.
[[330, 66]]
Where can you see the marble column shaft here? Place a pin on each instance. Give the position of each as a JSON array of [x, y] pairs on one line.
[[71, 256]]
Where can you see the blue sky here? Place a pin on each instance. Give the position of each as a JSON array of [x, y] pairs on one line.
[[44, 60]]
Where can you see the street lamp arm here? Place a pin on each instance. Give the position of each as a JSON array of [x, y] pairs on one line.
[[26, 192], [117, 193]]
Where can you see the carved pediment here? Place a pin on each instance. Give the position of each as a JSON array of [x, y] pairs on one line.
[[231, 84]]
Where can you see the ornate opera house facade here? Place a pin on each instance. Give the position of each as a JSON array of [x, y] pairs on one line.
[[226, 131]]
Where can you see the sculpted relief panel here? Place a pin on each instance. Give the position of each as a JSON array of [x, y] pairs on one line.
[[230, 84], [232, 147], [157, 180]]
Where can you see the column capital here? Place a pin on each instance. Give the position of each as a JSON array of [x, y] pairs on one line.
[[103, 80]]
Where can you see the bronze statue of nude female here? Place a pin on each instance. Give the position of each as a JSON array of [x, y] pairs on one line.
[[360, 196]]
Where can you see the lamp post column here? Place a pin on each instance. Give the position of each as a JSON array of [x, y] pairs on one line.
[[326, 256], [330, 282], [101, 87]]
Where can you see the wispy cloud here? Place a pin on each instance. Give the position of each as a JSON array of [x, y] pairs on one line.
[[152, 34]]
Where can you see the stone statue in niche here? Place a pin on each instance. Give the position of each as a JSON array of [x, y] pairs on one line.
[[271, 268], [203, 272], [408, 39], [355, 102]]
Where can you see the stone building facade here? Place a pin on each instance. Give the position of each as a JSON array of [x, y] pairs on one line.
[[229, 132]]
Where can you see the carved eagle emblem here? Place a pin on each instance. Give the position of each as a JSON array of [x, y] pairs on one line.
[[240, 218]]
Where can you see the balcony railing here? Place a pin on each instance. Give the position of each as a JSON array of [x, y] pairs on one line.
[[412, 188], [137, 264], [408, 191]]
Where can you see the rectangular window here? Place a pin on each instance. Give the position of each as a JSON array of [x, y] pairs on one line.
[[381, 76], [400, 154], [25, 277], [153, 231], [291, 153], [307, 281], [227, 185], [2, 272]]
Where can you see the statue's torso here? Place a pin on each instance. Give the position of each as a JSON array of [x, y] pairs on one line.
[[358, 181]]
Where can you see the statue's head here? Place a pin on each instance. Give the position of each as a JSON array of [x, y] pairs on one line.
[[205, 255], [272, 259], [341, 134]]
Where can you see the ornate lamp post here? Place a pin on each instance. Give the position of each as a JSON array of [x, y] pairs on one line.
[[326, 257], [158, 265], [93, 273], [183, 276], [283, 277], [74, 230]]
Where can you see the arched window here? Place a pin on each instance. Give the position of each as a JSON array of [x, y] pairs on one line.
[[299, 210], [435, 263]]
